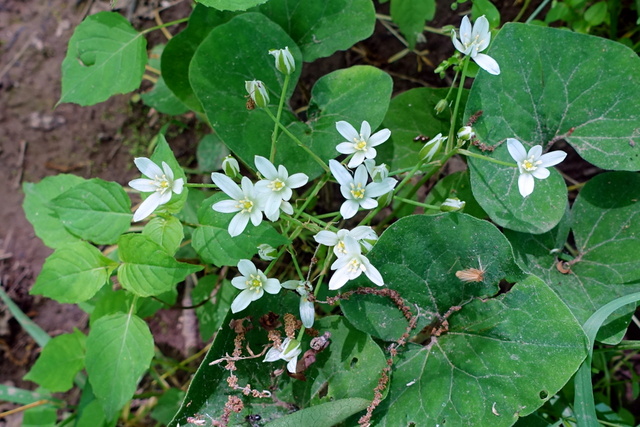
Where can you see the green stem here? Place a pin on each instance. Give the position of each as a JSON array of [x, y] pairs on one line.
[[309, 197], [166, 24], [315, 227], [480, 156], [297, 141], [274, 134], [201, 185], [454, 116], [415, 203]]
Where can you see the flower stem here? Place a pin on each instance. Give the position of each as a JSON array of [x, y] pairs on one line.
[[201, 185], [313, 155], [274, 135], [452, 129], [415, 203], [480, 156], [164, 25]]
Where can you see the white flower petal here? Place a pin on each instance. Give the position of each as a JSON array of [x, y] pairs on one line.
[[541, 173], [525, 184], [487, 63], [242, 301], [272, 355], [552, 158], [147, 207], [225, 206], [516, 149], [168, 173], [147, 167], [238, 224], [361, 174], [465, 30], [143, 184], [327, 238], [229, 187], [347, 131], [372, 273], [266, 168], [349, 208], [286, 207], [535, 152], [365, 130], [291, 366], [246, 267], [379, 137], [239, 282], [178, 186], [291, 284], [338, 280], [368, 203], [345, 148], [271, 286], [297, 180], [307, 312], [356, 160], [340, 173]]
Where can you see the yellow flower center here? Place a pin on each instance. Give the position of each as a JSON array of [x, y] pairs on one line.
[[276, 185], [357, 191], [341, 247], [246, 206], [162, 183], [254, 283], [355, 265], [530, 165], [359, 144]]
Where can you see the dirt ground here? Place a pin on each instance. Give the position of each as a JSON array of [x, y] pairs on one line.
[[37, 140]]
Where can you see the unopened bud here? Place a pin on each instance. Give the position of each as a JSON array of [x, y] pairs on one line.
[[385, 199], [466, 133], [258, 92], [267, 252], [378, 173], [284, 60], [230, 167], [452, 205], [431, 147], [441, 106]]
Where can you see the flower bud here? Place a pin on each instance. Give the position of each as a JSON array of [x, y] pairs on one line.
[[377, 173], [431, 147], [452, 205], [441, 105], [385, 199], [284, 60], [230, 166], [258, 92], [466, 133], [267, 252]]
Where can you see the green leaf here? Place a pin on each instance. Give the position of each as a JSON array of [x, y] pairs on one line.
[[19, 395], [457, 185], [73, 273], [34, 331], [220, 87], [46, 224], [160, 96], [322, 28], [165, 231], [488, 9], [498, 359], [214, 244], [119, 351], [147, 268], [105, 56], [211, 152], [410, 15], [168, 405], [324, 415], [95, 210], [177, 55], [163, 153], [357, 87], [419, 256], [606, 225], [61, 359], [44, 415], [231, 4], [412, 114], [213, 312], [596, 13], [554, 84]]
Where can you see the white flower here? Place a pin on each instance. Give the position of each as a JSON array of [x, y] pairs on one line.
[[355, 189], [360, 143], [258, 92], [245, 201], [267, 252], [378, 173], [351, 265], [276, 188], [466, 133], [473, 41], [307, 310], [253, 283], [288, 350], [160, 182], [362, 234], [452, 205], [230, 166], [533, 164], [431, 147], [284, 60]]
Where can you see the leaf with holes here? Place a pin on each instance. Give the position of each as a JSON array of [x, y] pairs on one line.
[[482, 352], [554, 85], [106, 56], [605, 221]]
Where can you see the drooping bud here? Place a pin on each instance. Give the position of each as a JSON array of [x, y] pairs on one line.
[[267, 252], [431, 147], [466, 133], [284, 60], [452, 205], [230, 166], [377, 172], [441, 105], [258, 92]]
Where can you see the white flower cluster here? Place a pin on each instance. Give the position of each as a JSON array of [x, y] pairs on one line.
[[269, 195]]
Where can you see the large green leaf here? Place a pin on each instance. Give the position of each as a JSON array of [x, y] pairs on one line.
[[606, 224], [215, 245], [95, 210], [177, 54], [482, 352], [410, 15], [46, 224], [147, 268], [230, 55], [231, 4], [106, 56], [554, 84], [326, 414], [165, 231], [500, 359], [412, 114], [324, 27], [73, 273], [357, 87], [215, 305], [61, 359], [119, 351], [160, 96]]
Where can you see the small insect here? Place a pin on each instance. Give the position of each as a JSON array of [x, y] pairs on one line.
[[251, 105], [421, 138], [253, 420], [471, 274]]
